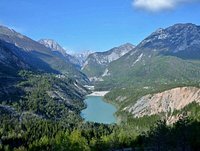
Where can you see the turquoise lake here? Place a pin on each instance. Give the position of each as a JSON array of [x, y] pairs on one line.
[[99, 111]]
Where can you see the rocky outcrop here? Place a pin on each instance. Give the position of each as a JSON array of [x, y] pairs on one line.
[[53, 45], [164, 102]]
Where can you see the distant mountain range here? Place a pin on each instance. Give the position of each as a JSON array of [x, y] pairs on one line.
[[96, 64], [77, 59], [166, 56], [23, 52], [82, 56], [18, 52], [159, 77]]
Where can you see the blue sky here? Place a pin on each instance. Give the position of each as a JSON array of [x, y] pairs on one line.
[[96, 25]]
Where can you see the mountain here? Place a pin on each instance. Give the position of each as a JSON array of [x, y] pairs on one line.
[[181, 40], [166, 56], [82, 56], [10, 61], [42, 83], [159, 77], [10, 64], [95, 66], [38, 56], [59, 50], [53, 45], [77, 59]]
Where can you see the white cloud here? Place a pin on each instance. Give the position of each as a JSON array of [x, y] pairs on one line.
[[157, 5]]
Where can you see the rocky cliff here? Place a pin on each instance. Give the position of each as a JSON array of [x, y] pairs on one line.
[[164, 102]]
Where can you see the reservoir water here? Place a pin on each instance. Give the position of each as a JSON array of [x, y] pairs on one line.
[[98, 111]]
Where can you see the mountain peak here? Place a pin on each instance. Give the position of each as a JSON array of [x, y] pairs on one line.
[[127, 46], [53, 45], [179, 26], [187, 27], [10, 32], [179, 38], [184, 25], [6, 30], [81, 56]]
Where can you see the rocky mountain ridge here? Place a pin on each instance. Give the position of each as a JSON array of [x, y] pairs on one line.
[[38, 56], [103, 58], [166, 53], [82, 56], [96, 63], [53, 45], [181, 40]]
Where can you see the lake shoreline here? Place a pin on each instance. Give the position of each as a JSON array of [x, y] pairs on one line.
[[98, 93]]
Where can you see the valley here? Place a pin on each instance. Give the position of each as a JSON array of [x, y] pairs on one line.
[[128, 96]]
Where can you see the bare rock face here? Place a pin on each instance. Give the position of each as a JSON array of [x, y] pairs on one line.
[[181, 40], [82, 56], [53, 45], [100, 61], [164, 102], [76, 59], [104, 58]]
